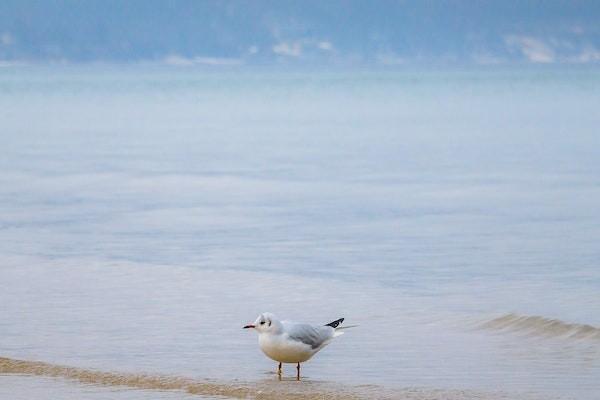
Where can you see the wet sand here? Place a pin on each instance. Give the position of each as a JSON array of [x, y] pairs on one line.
[[13, 370]]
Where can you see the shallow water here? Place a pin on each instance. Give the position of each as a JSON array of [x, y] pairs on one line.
[[147, 214]]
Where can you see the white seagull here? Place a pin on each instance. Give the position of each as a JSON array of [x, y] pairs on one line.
[[291, 342]]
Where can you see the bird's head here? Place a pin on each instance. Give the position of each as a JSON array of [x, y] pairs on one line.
[[265, 322]]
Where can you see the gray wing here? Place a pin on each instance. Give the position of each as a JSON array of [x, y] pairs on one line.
[[314, 336]]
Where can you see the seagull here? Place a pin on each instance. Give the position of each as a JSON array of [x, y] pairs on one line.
[[291, 342]]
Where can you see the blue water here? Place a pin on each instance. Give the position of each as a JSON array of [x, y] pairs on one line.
[[417, 203]]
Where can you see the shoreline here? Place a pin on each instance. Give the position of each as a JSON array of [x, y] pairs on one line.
[[265, 390]]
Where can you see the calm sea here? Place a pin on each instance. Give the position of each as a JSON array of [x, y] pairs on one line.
[[147, 214]]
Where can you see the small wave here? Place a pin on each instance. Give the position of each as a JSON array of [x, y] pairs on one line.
[[157, 382], [292, 390], [541, 326]]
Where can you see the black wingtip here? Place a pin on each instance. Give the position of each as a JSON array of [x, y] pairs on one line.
[[335, 323]]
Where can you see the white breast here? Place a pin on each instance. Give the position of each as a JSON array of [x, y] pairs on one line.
[[281, 348]]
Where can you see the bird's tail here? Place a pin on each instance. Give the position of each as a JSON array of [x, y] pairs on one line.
[[338, 329]]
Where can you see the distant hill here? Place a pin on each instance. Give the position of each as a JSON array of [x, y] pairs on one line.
[[336, 32]]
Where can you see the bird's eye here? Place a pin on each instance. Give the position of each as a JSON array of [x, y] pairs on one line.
[[262, 322]]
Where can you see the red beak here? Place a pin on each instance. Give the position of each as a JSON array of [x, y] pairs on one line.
[[249, 326]]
